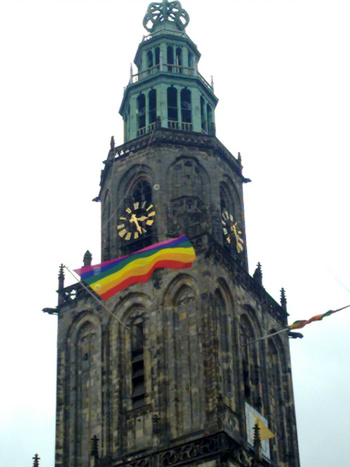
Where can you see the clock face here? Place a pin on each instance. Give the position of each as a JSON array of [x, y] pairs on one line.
[[231, 231], [136, 220]]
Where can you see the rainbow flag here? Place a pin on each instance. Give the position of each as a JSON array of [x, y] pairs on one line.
[[108, 278], [300, 324]]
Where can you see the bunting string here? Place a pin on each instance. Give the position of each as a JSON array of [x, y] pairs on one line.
[[300, 324]]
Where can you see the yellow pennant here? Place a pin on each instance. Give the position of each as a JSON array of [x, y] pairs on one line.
[[264, 432]]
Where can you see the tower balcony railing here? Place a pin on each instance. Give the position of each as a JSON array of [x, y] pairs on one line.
[[176, 125], [162, 68], [146, 129], [171, 69], [172, 124]]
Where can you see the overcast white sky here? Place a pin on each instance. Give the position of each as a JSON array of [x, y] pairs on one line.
[[281, 71]]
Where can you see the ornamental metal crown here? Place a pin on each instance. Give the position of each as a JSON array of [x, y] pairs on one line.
[[172, 12]]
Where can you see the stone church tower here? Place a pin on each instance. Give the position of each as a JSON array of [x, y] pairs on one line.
[[165, 373]]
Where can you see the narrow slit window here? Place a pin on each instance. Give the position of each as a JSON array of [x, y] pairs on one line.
[[190, 60], [157, 57], [150, 59], [137, 365], [209, 117], [141, 111], [170, 58], [179, 59], [152, 103], [203, 119], [186, 107], [172, 104]]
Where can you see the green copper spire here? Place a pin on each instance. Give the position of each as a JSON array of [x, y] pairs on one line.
[[170, 12], [167, 90]]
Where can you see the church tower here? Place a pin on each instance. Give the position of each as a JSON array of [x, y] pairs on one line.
[[167, 372]]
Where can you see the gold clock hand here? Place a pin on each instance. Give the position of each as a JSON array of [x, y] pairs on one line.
[[134, 219]]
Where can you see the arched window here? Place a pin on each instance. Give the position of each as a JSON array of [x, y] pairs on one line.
[[150, 59], [179, 60], [137, 362], [141, 111], [186, 179], [229, 217], [157, 57], [187, 369], [186, 106], [223, 336], [209, 118], [138, 200], [106, 228], [226, 202], [250, 367], [170, 58], [85, 389], [152, 106], [172, 107], [190, 61], [203, 116], [141, 192], [276, 397], [127, 123]]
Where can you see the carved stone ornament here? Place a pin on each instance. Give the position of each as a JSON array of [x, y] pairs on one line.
[[189, 215], [165, 11]]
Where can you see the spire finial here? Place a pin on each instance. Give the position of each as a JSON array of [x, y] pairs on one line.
[[112, 143], [257, 443], [258, 274], [61, 284], [170, 12], [61, 277], [36, 460], [87, 258], [283, 299]]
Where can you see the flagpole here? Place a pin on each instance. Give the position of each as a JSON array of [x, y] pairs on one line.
[[102, 304], [267, 336]]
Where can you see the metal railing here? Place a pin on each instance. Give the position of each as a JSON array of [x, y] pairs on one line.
[[171, 69]]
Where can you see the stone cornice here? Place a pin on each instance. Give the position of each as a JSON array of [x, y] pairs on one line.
[[216, 446], [165, 136]]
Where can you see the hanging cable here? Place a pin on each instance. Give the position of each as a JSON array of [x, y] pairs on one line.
[[102, 304]]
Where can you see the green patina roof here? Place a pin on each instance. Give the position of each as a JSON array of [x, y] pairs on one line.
[[169, 14]]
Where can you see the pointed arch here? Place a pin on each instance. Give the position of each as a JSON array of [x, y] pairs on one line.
[[222, 309], [277, 373], [179, 59], [141, 113], [187, 177], [84, 385], [186, 106], [183, 355], [129, 344], [135, 193], [173, 113], [170, 57], [230, 198], [152, 106], [106, 224], [130, 363], [250, 362], [188, 184]]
